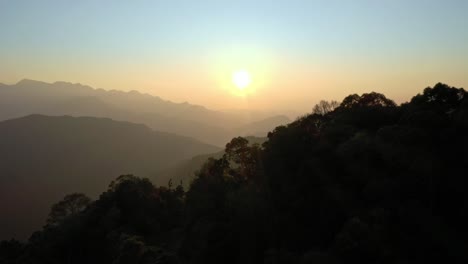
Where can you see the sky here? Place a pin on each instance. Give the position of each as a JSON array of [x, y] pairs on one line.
[[296, 52]]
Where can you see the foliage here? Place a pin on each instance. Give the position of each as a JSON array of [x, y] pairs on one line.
[[71, 205], [365, 182], [325, 107]]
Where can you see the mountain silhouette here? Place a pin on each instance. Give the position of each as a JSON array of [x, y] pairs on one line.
[[362, 181], [61, 98], [45, 157]]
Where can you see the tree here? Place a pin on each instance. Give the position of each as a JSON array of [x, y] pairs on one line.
[[440, 98], [325, 107], [244, 157], [370, 182], [368, 111], [372, 99], [10, 251], [71, 205], [237, 150]]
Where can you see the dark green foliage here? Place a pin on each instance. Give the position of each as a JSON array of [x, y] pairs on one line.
[[367, 182]]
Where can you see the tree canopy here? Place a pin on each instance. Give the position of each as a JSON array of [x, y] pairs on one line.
[[367, 181]]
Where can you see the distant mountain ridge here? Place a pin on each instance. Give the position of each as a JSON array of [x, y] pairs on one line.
[[258, 128], [43, 158], [62, 98]]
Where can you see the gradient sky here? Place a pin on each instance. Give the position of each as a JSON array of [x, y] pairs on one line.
[[297, 52]]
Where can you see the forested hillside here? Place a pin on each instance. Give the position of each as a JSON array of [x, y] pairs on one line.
[[43, 158], [185, 171], [367, 181]]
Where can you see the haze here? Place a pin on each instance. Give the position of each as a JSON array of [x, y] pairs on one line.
[[234, 132], [297, 52]]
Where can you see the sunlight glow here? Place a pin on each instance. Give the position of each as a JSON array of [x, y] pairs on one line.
[[242, 71], [241, 79]]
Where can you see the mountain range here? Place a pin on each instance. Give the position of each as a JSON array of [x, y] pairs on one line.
[[62, 98], [43, 158], [58, 138]]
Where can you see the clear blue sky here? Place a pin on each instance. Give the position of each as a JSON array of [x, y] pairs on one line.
[[178, 49]]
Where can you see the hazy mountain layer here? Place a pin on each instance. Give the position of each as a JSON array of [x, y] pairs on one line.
[[367, 182], [185, 171], [42, 158], [61, 98]]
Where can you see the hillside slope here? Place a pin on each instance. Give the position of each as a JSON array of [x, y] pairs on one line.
[[184, 172], [43, 158], [368, 182]]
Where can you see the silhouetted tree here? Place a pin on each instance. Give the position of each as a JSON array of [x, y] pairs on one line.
[[71, 205], [325, 107], [11, 251], [367, 182]]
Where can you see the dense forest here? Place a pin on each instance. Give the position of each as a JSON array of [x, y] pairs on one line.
[[361, 181]]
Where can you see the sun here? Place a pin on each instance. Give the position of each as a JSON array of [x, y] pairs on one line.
[[241, 79]]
